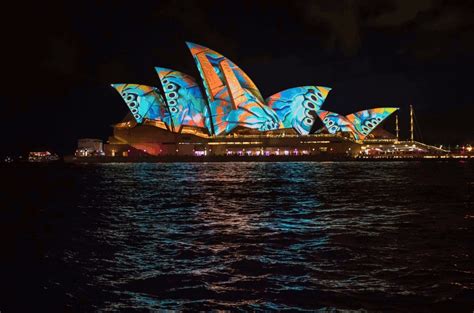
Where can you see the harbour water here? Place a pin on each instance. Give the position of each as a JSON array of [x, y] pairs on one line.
[[303, 236]]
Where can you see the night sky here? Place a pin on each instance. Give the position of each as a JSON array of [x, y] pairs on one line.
[[62, 57]]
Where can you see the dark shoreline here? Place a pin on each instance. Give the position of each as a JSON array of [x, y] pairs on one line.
[[204, 159]]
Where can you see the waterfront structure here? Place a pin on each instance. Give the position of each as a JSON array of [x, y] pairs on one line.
[[231, 117], [89, 147], [42, 156]]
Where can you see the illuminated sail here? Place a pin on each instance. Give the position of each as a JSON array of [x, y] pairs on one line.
[[228, 88], [297, 107], [247, 110], [337, 123], [145, 102], [186, 103], [217, 93], [360, 124], [216, 57], [233, 100], [366, 121]]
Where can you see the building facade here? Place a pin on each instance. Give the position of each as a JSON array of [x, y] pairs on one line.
[[231, 117]]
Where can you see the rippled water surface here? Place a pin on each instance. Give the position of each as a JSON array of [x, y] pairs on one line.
[[250, 236]]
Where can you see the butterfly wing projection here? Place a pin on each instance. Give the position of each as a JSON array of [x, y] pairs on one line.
[[215, 58], [337, 123], [366, 121], [248, 110], [234, 100], [220, 104], [186, 103], [145, 102], [297, 107]]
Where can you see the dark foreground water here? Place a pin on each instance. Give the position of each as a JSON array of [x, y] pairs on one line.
[[238, 236]]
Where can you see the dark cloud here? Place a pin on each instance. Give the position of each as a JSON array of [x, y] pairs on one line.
[[428, 29], [61, 56], [399, 12], [337, 21], [434, 29]]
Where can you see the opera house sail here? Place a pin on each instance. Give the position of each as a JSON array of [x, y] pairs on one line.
[[231, 104], [297, 107], [234, 100], [184, 98], [359, 124], [146, 104], [366, 121]]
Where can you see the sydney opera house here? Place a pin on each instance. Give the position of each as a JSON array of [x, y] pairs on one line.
[[232, 117]]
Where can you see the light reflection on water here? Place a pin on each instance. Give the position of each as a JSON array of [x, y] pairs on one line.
[[269, 236]]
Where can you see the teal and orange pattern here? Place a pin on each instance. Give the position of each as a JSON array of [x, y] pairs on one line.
[[296, 107], [359, 124], [186, 103], [233, 100], [145, 102], [367, 120]]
